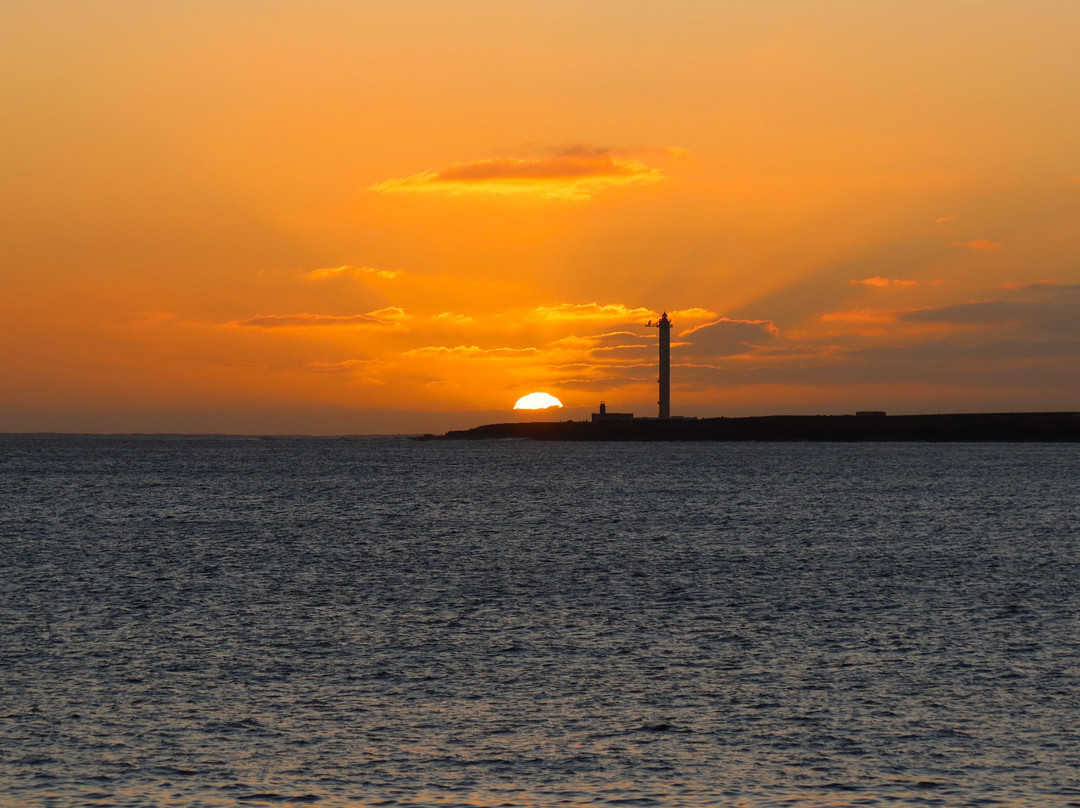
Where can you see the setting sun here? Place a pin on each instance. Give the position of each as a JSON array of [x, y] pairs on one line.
[[537, 401]]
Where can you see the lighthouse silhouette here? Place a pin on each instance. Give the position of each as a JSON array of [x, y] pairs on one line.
[[664, 324]]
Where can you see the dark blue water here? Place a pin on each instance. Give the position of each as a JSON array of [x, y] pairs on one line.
[[383, 622]]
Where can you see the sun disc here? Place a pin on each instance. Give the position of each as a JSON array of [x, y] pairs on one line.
[[537, 401]]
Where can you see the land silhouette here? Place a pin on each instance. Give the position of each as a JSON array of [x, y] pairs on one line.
[[970, 427]]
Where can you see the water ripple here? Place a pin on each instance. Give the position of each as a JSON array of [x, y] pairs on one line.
[[380, 623]]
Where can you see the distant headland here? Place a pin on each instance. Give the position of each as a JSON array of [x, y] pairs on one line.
[[872, 425], [1063, 427]]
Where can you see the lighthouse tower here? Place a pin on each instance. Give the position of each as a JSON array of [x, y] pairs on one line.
[[664, 324]]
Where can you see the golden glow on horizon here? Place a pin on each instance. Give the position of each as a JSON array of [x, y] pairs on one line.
[[537, 401]]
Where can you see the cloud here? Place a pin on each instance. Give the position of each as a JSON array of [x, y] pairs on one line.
[[767, 326], [623, 346], [1017, 287], [576, 173], [611, 312], [575, 342], [468, 350], [882, 282], [361, 370], [694, 313], [861, 316], [450, 318], [1049, 291], [337, 272], [148, 319], [614, 347], [727, 337], [944, 219], [1032, 310], [937, 351], [391, 313], [388, 317], [1044, 311], [995, 311], [1027, 338], [346, 366], [978, 244]]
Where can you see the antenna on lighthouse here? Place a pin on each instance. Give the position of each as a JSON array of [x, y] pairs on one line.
[[664, 324]]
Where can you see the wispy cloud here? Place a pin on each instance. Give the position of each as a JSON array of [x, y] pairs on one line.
[[450, 318], [345, 366], [611, 340], [945, 219], [612, 312], [861, 316], [149, 319], [693, 313], [574, 174], [1035, 310], [468, 350], [728, 337], [882, 282], [391, 313], [388, 317], [978, 244], [1016, 287], [365, 371], [997, 312], [343, 271], [766, 326]]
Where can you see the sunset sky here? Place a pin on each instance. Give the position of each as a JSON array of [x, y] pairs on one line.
[[356, 216]]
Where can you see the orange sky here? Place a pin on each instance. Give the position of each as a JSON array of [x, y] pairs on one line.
[[354, 217]]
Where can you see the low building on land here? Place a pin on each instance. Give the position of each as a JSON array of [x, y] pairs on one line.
[[604, 415]]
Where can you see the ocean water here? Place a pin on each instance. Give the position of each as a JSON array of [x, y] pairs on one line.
[[383, 622]]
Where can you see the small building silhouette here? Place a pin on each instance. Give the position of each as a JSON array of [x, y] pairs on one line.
[[604, 415]]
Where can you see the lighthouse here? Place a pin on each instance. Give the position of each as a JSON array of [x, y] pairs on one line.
[[664, 324]]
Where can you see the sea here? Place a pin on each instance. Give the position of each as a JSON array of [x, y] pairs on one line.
[[374, 622]]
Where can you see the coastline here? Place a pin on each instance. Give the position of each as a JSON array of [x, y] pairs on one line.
[[1046, 427]]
